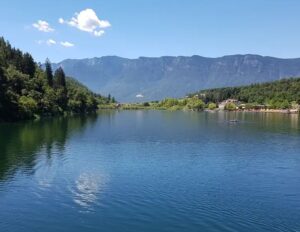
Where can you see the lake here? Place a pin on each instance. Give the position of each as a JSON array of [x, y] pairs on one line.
[[151, 171]]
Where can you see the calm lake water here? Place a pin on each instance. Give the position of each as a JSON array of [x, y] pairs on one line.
[[151, 171]]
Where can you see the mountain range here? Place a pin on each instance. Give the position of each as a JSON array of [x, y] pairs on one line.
[[146, 79]]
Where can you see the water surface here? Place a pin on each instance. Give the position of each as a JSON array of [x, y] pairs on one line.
[[151, 171]]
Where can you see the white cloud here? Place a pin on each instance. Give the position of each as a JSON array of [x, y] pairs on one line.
[[99, 33], [67, 44], [88, 21], [43, 26], [61, 20], [50, 42], [139, 96]]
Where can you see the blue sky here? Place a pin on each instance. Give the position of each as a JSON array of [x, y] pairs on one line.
[[136, 28]]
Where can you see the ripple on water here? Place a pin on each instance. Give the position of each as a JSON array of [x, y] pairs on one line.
[[155, 171], [87, 189]]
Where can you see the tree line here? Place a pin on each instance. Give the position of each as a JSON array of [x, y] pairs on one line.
[[193, 103], [280, 94], [26, 90]]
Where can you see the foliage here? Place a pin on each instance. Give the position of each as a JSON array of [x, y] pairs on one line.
[[195, 104], [276, 95], [28, 105], [230, 106], [169, 102], [26, 90], [60, 78], [212, 106], [49, 73], [294, 105], [283, 94]]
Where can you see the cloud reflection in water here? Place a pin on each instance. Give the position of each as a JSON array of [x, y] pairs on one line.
[[87, 189]]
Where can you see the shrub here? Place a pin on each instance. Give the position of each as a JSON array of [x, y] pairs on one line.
[[195, 104], [212, 106], [230, 106]]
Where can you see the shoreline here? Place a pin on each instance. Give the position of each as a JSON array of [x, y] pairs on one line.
[[281, 111], [273, 111]]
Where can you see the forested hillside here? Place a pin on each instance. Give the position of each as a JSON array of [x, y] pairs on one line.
[[277, 94], [26, 90]]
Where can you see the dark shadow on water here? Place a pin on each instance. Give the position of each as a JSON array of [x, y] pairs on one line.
[[20, 143]]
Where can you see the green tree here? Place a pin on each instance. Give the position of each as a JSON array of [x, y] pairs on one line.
[[61, 88], [146, 104], [169, 102], [272, 94], [2, 93], [49, 73], [60, 78], [28, 105], [195, 104], [212, 106], [230, 106], [28, 65], [26, 89], [285, 105]]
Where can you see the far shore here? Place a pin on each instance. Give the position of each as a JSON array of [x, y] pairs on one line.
[[282, 111], [197, 104], [141, 107]]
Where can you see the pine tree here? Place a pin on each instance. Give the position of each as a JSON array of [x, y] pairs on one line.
[[60, 78], [28, 65], [49, 73], [60, 85], [2, 81], [2, 94], [5, 52]]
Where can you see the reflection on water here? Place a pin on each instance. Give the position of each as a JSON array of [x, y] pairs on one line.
[[88, 186], [21, 143], [151, 171]]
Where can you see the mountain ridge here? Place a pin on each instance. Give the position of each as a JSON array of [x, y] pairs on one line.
[[173, 76], [176, 56]]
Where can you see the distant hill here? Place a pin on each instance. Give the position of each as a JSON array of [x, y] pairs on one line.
[[144, 79], [277, 94]]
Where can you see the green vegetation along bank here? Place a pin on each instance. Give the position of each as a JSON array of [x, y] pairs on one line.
[[277, 96], [282, 94], [192, 103], [27, 91]]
